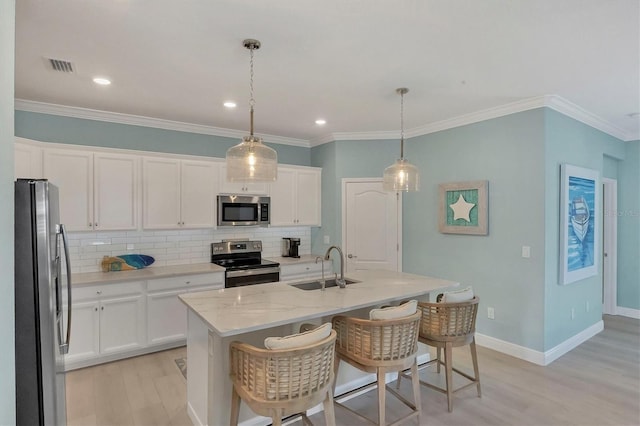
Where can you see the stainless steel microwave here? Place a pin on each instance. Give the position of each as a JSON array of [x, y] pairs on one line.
[[243, 210]]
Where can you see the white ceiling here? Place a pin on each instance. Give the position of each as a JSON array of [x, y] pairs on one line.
[[337, 59]]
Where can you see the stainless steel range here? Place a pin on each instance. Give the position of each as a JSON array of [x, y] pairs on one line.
[[243, 263]]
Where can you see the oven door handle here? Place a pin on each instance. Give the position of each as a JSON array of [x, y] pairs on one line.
[[250, 272]]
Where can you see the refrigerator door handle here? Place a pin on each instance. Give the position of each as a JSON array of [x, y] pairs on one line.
[[64, 347]]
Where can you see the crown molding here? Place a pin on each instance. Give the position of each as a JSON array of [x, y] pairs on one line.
[[554, 102], [137, 120]]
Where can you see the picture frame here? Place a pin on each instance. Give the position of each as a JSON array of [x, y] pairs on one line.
[[580, 217], [464, 207]]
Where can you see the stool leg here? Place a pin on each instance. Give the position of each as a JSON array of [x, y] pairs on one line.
[[235, 407], [476, 370], [336, 367], [415, 380], [329, 412], [438, 359], [275, 419], [449, 373], [381, 396]]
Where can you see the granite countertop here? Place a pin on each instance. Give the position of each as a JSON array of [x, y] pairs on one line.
[[304, 258], [233, 311], [144, 274]]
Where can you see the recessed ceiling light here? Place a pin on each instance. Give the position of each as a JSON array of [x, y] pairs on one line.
[[230, 104], [102, 81], [321, 121]]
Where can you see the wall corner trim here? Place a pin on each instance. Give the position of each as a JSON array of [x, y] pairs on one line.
[[537, 357]]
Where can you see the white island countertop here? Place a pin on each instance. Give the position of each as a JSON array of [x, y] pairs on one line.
[[233, 311]]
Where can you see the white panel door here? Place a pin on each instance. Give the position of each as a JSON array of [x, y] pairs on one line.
[[308, 197], [72, 172], [122, 324], [283, 199], [370, 225], [198, 194], [161, 193], [166, 317], [116, 191]]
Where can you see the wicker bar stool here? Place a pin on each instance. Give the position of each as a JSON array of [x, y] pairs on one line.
[[446, 326], [380, 346], [280, 382]]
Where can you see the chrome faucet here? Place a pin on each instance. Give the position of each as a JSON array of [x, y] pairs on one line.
[[322, 263], [341, 282]]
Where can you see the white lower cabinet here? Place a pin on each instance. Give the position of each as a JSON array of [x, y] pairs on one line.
[[166, 314], [119, 320], [105, 319]]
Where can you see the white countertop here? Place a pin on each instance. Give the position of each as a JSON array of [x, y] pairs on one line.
[[304, 258], [239, 310], [144, 274]]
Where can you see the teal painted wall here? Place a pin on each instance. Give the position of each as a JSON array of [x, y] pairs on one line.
[[509, 153], [572, 142], [342, 159], [629, 228], [7, 369], [78, 131]]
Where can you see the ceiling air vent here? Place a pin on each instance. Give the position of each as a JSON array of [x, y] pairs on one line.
[[61, 65]]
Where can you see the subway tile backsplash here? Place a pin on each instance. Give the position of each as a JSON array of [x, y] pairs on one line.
[[174, 247]]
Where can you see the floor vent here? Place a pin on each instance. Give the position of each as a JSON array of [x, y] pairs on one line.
[[61, 65]]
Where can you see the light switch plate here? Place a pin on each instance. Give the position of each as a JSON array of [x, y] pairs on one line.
[[326, 239], [526, 252]]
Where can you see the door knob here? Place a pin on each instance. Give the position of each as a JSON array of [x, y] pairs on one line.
[[350, 256]]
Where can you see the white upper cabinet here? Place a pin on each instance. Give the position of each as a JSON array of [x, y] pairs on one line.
[[295, 197], [242, 188], [97, 191], [28, 161], [178, 193]]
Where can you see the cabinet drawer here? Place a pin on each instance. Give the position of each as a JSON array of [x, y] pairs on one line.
[[185, 281], [302, 269], [105, 290]]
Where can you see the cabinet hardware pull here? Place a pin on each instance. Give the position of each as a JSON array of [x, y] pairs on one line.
[[102, 308]]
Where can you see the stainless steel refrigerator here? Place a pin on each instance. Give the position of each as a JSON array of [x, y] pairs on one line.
[[42, 331]]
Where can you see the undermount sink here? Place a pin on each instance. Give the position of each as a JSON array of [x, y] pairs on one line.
[[317, 284]]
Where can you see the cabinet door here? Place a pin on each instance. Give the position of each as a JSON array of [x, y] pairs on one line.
[[122, 324], [308, 197], [166, 317], [283, 191], [227, 187], [116, 191], [84, 342], [28, 161], [72, 172], [161, 193], [198, 194]]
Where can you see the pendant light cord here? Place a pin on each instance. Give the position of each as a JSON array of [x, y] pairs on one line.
[[252, 101], [402, 125]]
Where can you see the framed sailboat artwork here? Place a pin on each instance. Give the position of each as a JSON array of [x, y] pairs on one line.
[[580, 218]]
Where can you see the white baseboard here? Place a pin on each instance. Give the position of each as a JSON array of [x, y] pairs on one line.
[[628, 312], [537, 357], [193, 416]]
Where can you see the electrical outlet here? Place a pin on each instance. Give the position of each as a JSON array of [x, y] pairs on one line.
[[573, 313], [327, 240], [526, 252], [491, 313], [129, 246]]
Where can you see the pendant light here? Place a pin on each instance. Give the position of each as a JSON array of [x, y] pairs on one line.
[[251, 160], [401, 175]]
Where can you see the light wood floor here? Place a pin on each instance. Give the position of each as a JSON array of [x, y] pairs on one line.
[[597, 383]]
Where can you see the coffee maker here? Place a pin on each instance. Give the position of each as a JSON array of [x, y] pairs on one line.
[[290, 247]]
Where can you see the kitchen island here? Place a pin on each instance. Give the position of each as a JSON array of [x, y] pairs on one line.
[[251, 313]]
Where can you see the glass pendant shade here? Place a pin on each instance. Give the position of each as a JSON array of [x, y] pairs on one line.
[[252, 161], [401, 176]]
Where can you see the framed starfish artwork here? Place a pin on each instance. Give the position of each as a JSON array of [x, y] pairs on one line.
[[464, 207]]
